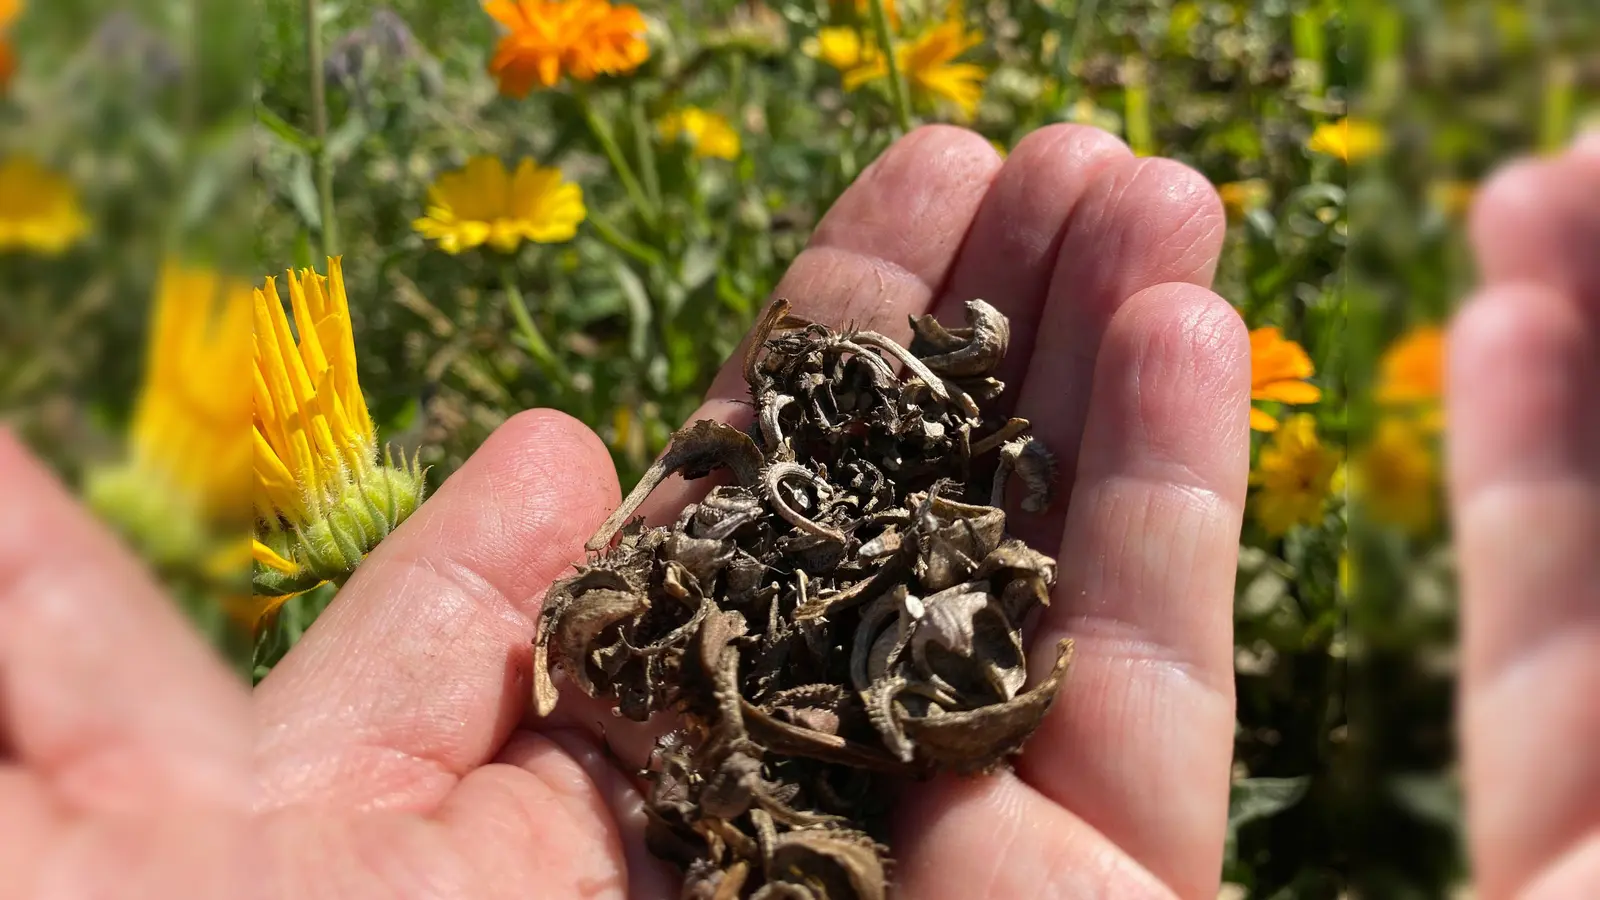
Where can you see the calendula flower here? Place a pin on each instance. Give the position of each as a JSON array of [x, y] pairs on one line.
[[583, 38], [1279, 368], [39, 209], [708, 133], [1241, 197], [1351, 140], [322, 499], [1396, 477], [847, 50], [1411, 373], [1294, 476], [483, 204], [929, 64], [9, 10], [182, 491]]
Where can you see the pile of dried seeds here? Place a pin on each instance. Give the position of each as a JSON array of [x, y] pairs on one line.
[[846, 613]]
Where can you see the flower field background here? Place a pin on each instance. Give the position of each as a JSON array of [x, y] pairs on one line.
[[593, 227]]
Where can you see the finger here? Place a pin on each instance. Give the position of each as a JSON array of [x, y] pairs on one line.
[[1139, 223], [1139, 741], [880, 254], [959, 838], [1525, 489], [552, 811], [1525, 480], [1016, 237], [104, 689], [1536, 223], [419, 669]]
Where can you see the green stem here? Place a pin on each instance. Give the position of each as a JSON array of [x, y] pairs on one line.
[[319, 128], [897, 83], [536, 344], [609, 233], [645, 149], [608, 144]]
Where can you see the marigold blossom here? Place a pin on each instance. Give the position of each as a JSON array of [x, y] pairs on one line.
[[931, 70], [322, 499], [1396, 477], [709, 134], [483, 204], [39, 209], [1279, 368], [1350, 140], [1411, 374], [9, 10], [927, 61], [185, 479], [583, 38], [1295, 475]]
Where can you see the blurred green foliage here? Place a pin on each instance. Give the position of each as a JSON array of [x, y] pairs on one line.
[[1344, 752]]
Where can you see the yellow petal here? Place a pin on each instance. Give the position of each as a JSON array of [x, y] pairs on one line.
[[268, 557]]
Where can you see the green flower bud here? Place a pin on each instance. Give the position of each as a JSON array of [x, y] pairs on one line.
[[340, 533]]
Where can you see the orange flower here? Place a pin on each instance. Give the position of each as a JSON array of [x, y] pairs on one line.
[[584, 38], [1411, 373], [9, 10], [1279, 368]]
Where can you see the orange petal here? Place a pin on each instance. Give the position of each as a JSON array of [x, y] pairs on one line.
[[1287, 392], [1260, 421]]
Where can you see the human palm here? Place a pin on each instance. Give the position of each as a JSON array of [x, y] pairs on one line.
[[393, 750]]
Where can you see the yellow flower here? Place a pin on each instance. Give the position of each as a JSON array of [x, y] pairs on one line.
[[930, 68], [1241, 197], [1295, 476], [1411, 373], [584, 38], [321, 499], [926, 61], [1279, 368], [186, 476], [39, 209], [1396, 477], [846, 50], [1452, 197], [708, 133], [1351, 140], [483, 204]]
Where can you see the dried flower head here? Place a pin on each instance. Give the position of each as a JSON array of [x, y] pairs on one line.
[[846, 609]]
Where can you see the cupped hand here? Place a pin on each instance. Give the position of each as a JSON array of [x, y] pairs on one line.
[[394, 753]]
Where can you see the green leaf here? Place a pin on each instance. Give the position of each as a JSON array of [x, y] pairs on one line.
[[289, 134], [345, 140], [303, 193], [640, 314], [1253, 799]]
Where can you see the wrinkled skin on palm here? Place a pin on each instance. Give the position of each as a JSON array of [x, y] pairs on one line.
[[844, 615]]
